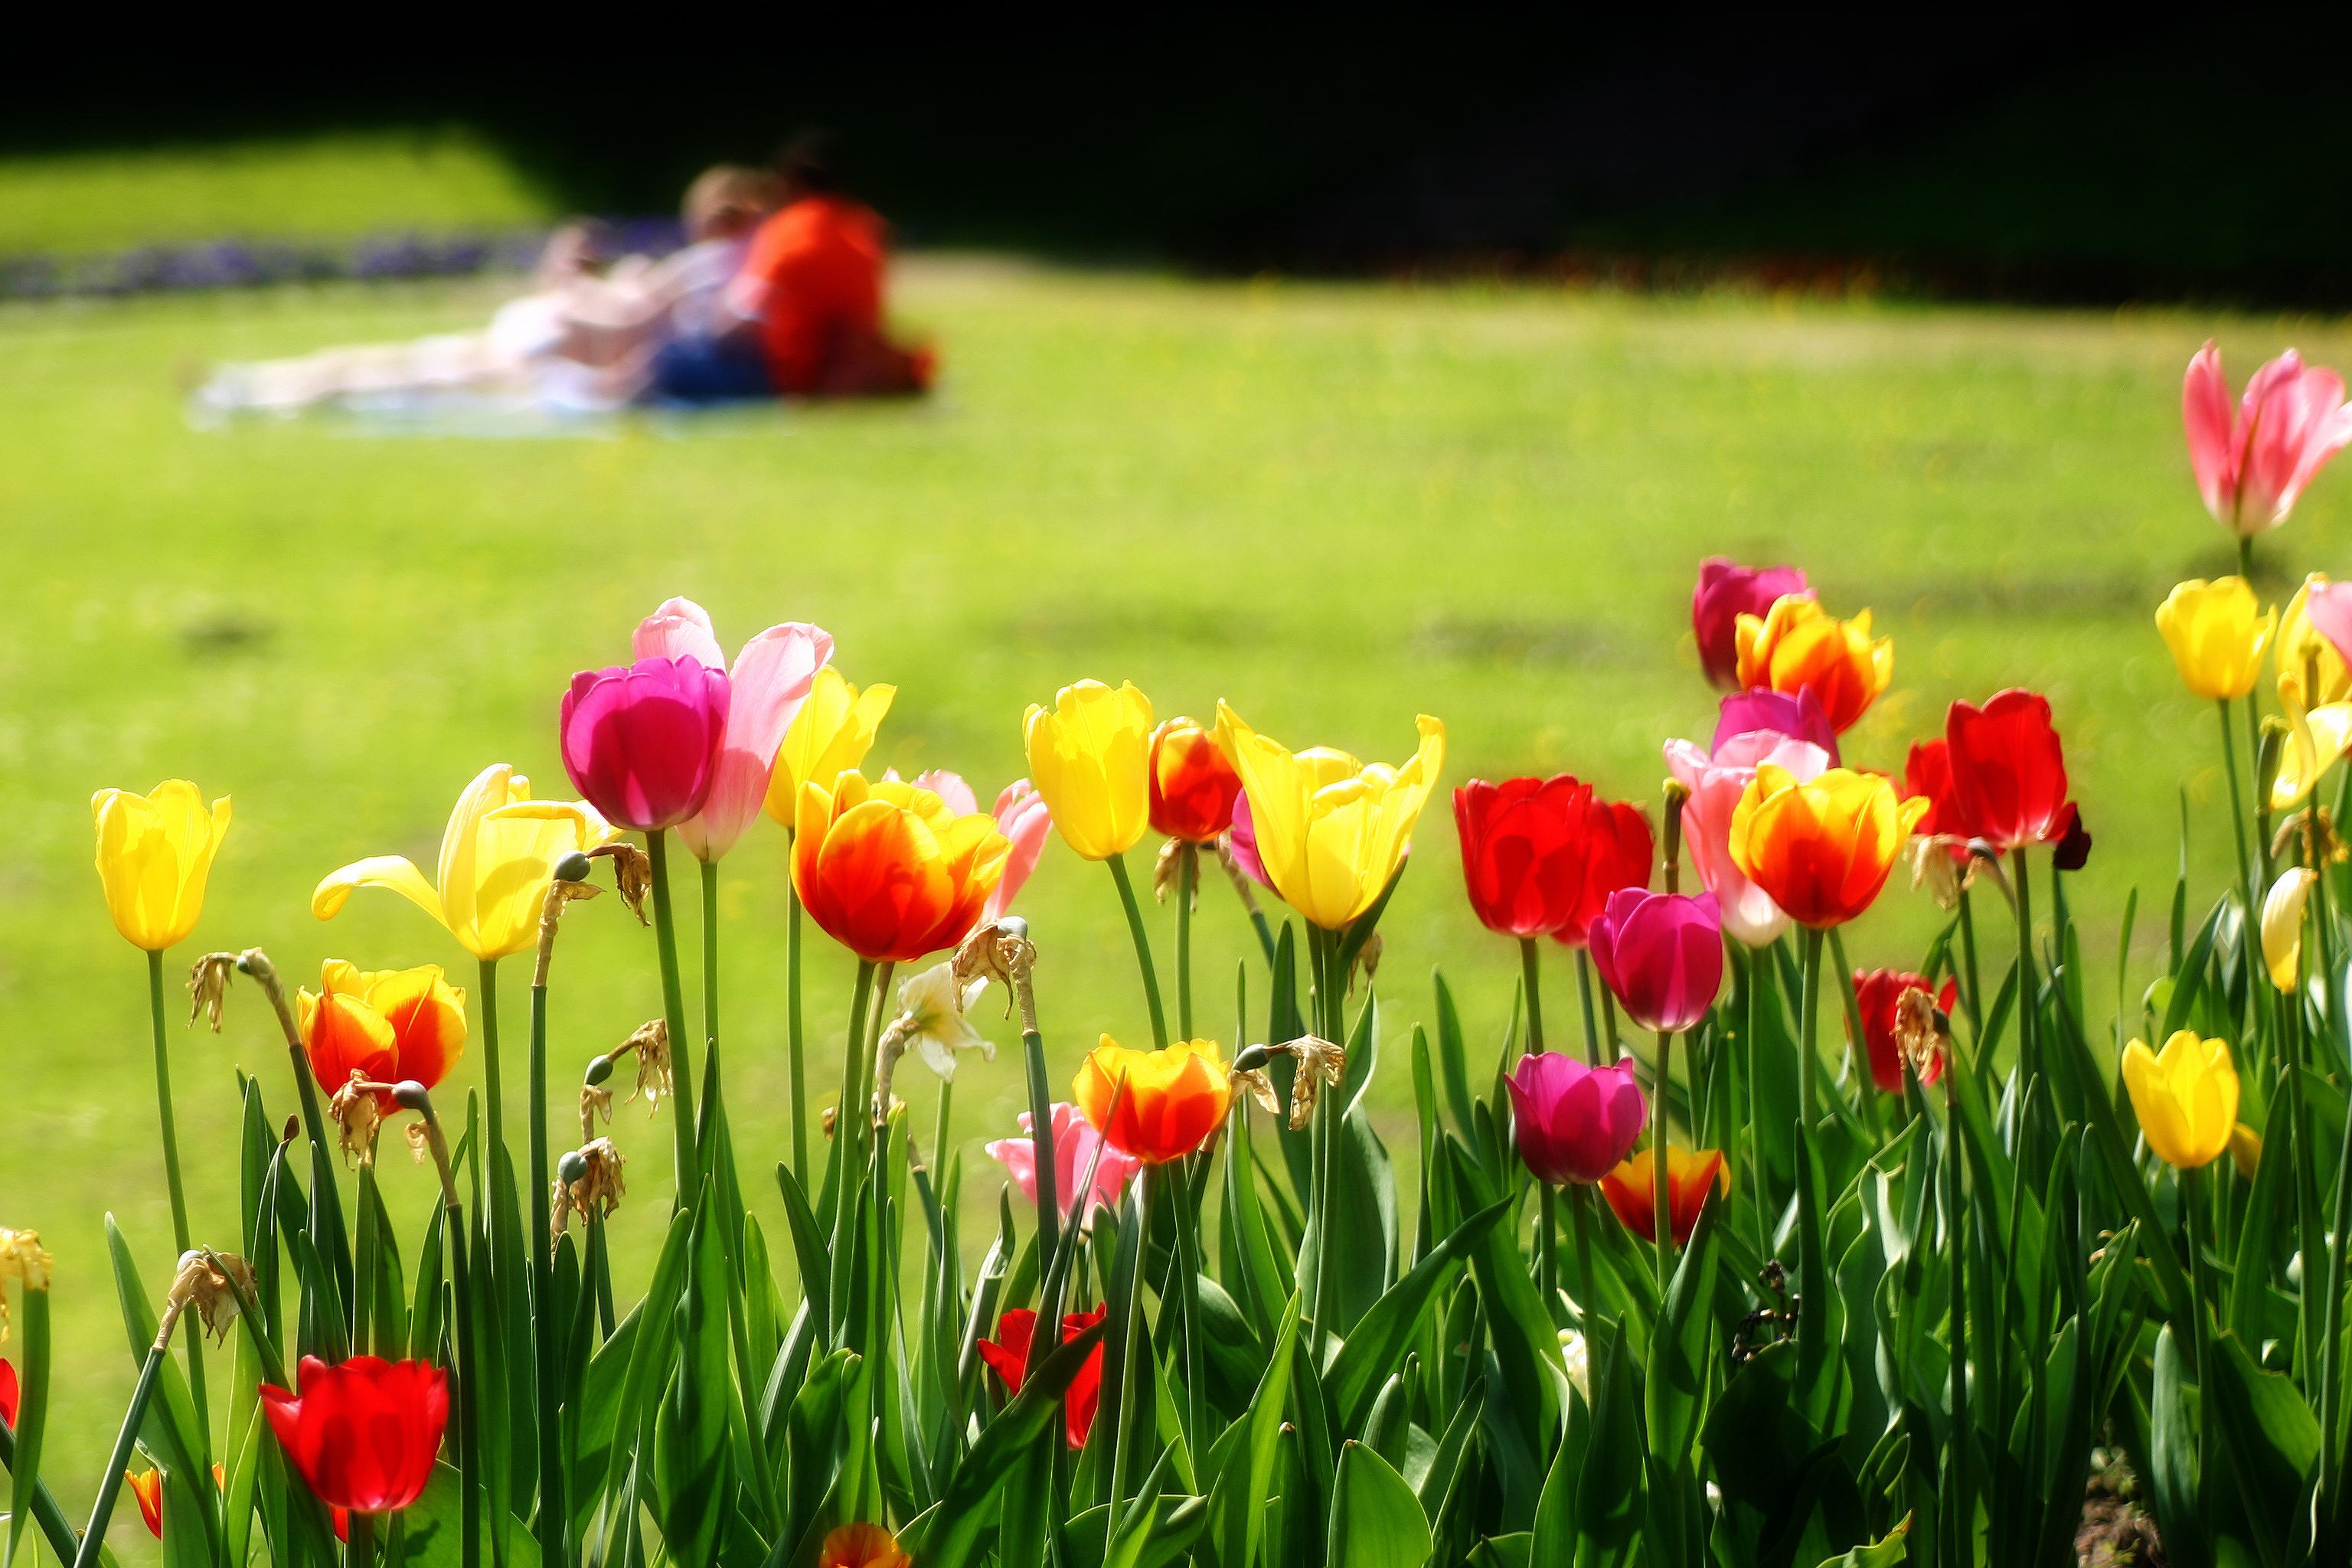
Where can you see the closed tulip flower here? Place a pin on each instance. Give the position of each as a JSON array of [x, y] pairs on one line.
[[1878, 996], [1090, 757], [1726, 592], [384, 1024], [1155, 1105], [2009, 771], [1798, 646], [889, 871], [1192, 785], [2216, 635], [1007, 1355], [1078, 1148], [1332, 832], [641, 741], [499, 853], [147, 1490], [154, 851], [1661, 956], [361, 1434], [830, 735], [2291, 421], [766, 687], [1820, 848], [1541, 855], [1574, 1122], [1631, 1191], [2283, 925], [2186, 1097], [1800, 718]]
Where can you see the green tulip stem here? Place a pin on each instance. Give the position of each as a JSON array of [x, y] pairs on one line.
[[681, 1060], [1530, 976], [1956, 1220], [109, 1482], [1579, 1219], [1752, 1041], [1808, 1056], [1584, 991], [1118, 864], [794, 1036], [1131, 1386], [1188, 877], [544, 1328], [2192, 1200], [1661, 1191], [2238, 801], [1188, 1263], [2331, 1368], [171, 1181]]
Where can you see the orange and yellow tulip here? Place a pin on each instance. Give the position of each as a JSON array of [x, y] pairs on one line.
[[1155, 1105], [154, 851], [1331, 831], [1090, 758], [1798, 646], [384, 1024], [861, 1546], [1631, 1190], [888, 870], [1820, 848]]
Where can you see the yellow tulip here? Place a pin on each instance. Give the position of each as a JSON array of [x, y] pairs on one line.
[[2282, 924], [1090, 758], [1330, 831], [831, 734], [2216, 637], [2314, 740], [2186, 1097], [154, 851], [497, 856], [2246, 1151], [2306, 660]]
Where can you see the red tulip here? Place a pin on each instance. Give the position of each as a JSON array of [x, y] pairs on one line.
[[9, 1395], [1541, 855], [2007, 771], [1878, 996], [1927, 775], [363, 1433], [1007, 1355], [1725, 593], [642, 741]]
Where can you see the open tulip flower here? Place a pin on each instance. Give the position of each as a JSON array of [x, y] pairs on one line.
[[1820, 848], [498, 855], [861, 1546], [1715, 785], [1078, 1148], [889, 871], [770, 681], [2186, 1097], [1007, 1356], [384, 1024], [1798, 646], [2007, 771], [1157, 1106], [363, 1433], [1631, 1190], [154, 852], [1330, 831], [641, 741], [1662, 955], [1574, 1122], [1192, 785], [2311, 669], [1021, 815], [2216, 637], [830, 735], [1090, 758], [2251, 469], [1540, 857], [1878, 996], [1726, 592]]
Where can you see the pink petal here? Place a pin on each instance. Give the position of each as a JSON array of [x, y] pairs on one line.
[[1022, 817], [952, 789], [679, 629], [770, 681]]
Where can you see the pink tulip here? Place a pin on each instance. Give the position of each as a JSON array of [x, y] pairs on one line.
[[952, 789], [1075, 1143], [1022, 817], [2250, 470], [1662, 955], [1725, 593], [1800, 718], [770, 681], [641, 741], [1716, 783], [2329, 606], [1243, 840], [1574, 1122]]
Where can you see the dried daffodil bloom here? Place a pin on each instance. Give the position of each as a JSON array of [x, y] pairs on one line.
[[1319, 1062], [587, 1181], [210, 1284], [23, 1260], [357, 1113], [1921, 1034]]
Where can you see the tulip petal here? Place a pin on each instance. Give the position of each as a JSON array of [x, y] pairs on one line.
[[396, 872]]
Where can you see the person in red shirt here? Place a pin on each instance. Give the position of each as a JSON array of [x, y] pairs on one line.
[[812, 286]]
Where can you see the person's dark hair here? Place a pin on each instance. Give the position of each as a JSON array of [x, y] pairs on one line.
[[811, 160]]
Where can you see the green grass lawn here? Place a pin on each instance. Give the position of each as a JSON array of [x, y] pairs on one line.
[[1334, 506]]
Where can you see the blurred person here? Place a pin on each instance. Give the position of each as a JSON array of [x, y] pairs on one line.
[[813, 284]]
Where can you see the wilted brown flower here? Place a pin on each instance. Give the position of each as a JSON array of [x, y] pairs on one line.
[[208, 1284], [588, 1180], [357, 1113]]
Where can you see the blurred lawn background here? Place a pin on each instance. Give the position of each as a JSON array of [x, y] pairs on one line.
[[1334, 506]]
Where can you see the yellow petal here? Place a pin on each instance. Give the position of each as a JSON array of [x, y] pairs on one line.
[[2282, 924], [393, 871], [2316, 740]]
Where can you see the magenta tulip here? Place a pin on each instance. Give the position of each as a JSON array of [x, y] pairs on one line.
[[1662, 955], [2250, 470], [641, 741], [1574, 1122], [1726, 592], [1800, 718], [1243, 841], [770, 681], [1075, 1146]]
